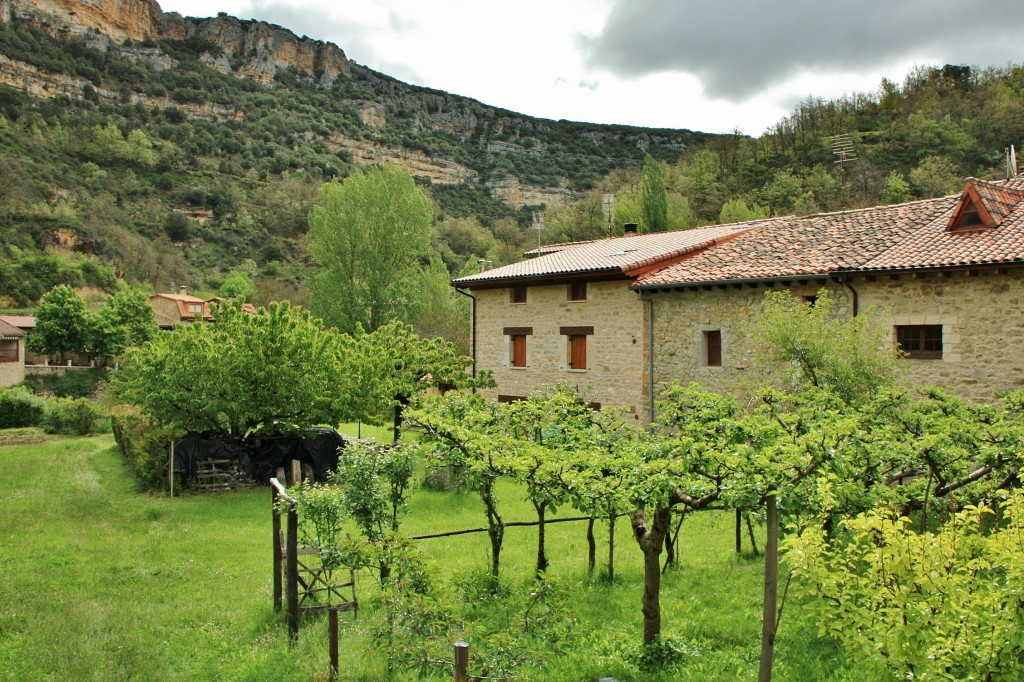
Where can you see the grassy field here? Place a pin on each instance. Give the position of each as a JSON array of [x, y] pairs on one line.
[[103, 583]]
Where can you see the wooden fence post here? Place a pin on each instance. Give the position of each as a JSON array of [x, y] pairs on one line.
[[292, 570], [276, 517], [461, 661], [332, 616]]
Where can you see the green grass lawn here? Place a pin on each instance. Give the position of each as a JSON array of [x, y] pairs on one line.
[[103, 583]]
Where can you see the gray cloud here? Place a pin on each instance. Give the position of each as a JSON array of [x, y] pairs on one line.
[[738, 48]]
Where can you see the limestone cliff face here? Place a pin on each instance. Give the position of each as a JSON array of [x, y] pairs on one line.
[[252, 49], [258, 49], [120, 20]]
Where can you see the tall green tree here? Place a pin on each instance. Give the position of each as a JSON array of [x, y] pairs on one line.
[[654, 197], [126, 319], [368, 237], [275, 371], [62, 324]]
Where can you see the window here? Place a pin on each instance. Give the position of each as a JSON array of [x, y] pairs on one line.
[[578, 291], [577, 351], [195, 307], [9, 350], [576, 346], [518, 350], [517, 345], [517, 294], [713, 348], [920, 341]]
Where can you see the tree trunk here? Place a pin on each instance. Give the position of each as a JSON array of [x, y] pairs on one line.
[[771, 592], [542, 558], [402, 401], [495, 530], [591, 547], [651, 540]]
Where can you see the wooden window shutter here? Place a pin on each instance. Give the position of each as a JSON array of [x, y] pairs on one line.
[[519, 350], [578, 352]]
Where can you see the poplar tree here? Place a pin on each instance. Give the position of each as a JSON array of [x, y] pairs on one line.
[[368, 236], [654, 200]]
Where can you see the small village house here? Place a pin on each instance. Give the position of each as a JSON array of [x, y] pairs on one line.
[[945, 275]]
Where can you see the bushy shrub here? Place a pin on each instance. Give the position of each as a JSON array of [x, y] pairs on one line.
[[72, 416], [19, 407], [143, 444]]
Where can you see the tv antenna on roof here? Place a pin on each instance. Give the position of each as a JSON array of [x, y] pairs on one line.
[[609, 204], [842, 148], [538, 224], [1011, 162]]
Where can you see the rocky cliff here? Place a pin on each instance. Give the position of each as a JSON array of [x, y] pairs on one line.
[[438, 136], [252, 49]]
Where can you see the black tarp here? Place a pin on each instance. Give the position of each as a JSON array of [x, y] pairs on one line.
[[260, 457]]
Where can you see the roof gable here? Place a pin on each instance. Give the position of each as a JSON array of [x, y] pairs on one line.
[[984, 205]]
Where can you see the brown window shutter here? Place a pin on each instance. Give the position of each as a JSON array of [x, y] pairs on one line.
[[713, 341], [578, 352], [519, 350]]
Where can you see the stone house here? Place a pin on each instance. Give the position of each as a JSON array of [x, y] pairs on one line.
[[170, 309], [945, 274], [568, 315], [12, 355]]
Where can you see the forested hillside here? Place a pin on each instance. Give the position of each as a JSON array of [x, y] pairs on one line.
[[148, 163]]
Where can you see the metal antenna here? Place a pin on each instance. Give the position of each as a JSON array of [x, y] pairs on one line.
[[842, 147], [1011, 162], [538, 224], [609, 204]]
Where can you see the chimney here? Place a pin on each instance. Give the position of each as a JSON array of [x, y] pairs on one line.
[[182, 290], [630, 228]]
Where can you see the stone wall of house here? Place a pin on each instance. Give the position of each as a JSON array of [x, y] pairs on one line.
[[982, 327], [615, 350], [13, 373], [683, 317]]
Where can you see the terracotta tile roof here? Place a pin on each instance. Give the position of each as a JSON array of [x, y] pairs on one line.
[[20, 321], [803, 247], [932, 245], [1000, 199], [615, 256], [9, 331]]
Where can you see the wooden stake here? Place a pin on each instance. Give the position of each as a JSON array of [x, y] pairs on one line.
[[461, 661], [292, 571], [276, 524], [332, 618]]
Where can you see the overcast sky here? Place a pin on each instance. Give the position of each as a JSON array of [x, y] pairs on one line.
[[711, 65]]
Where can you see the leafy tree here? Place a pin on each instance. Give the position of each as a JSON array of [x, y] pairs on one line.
[[367, 237], [654, 201], [62, 324], [238, 284], [125, 320], [896, 189], [375, 484], [739, 211], [852, 359], [397, 365], [936, 176], [275, 371], [465, 432], [942, 605]]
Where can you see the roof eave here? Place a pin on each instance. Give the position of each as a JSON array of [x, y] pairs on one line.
[[732, 282], [549, 278]]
